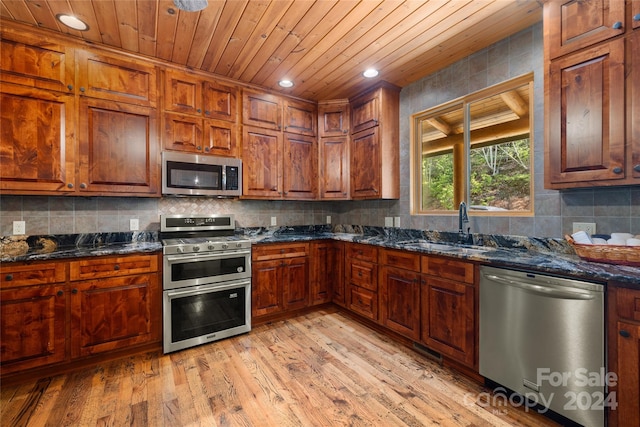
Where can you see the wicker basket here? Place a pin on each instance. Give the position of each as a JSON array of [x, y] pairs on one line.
[[610, 254]]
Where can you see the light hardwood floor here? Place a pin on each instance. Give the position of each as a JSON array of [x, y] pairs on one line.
[[320, 369]]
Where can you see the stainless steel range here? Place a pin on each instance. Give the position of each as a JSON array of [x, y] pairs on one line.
[[206, 280]]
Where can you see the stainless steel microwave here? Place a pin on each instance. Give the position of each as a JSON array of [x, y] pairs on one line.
[[187, 174]]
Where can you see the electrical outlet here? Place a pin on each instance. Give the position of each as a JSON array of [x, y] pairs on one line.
[[388, 221], [274, 220], [396, 221], [134, 224], [19, 227], [587, 227], [328, 219]]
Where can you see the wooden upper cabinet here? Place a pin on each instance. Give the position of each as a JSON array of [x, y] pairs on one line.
[[191, 134], [103, 76], [333, 118], [300, 167], [220, 101], [37, 143], [585, 117], [118, 151], [37, 63], [333, 176], [300, 117], [633, 100], [571, 25], [261, 163], [261, 109], [374, 147]]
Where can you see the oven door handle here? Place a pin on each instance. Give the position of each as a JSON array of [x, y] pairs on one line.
[[198, 290], [206, 256]]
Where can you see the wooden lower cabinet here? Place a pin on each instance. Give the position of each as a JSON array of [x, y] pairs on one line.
[[449, 308], [624, 354], [400, 301], [361, 276], [279, 278], [327, 272], [61, 312]]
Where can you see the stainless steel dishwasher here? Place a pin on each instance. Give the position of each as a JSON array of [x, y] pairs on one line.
[[543, 337]]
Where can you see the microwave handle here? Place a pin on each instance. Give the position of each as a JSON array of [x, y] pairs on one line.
[[205, 256]]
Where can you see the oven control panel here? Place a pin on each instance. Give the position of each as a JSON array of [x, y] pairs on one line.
[[191, 246]]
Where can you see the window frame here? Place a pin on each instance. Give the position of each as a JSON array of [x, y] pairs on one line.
[[461, 178]]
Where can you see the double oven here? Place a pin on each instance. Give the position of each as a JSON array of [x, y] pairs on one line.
[[206, 280]]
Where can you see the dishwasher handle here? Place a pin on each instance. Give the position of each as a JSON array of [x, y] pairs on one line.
[[543, 290]]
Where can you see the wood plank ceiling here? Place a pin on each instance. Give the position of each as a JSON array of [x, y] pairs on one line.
[[322, 46]]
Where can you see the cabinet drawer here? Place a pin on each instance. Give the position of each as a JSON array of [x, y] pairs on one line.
[[628, 304], [277, 251], [400, 259], [113, 266], [363, 301], [362, 252], [448, 268], [17, 275], [363, 274]]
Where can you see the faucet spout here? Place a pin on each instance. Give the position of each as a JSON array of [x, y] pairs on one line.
[[463, 220]]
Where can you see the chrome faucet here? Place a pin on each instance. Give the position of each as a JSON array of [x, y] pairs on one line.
[[464, 236]]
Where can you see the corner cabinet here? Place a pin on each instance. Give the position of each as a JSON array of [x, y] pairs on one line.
[[624, 354], [333, 150], [279, 160], [590, 49], [374, 146]]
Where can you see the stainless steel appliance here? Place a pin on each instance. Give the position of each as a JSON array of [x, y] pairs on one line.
[[543, 337], [188, 174], [206, 280]]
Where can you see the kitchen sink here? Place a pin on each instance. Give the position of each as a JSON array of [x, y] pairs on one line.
[[446, 247]]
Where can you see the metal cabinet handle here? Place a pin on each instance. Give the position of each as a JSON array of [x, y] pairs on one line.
[[69, 185], [617, 25], [60, 293], [207, 112], [83, 185], [199, 110], [82, 89], [8, 277], [70, 87], [116, 267], [637, 167], [199, 147], [617, 170], [625, 334], [74, 291], [207, 149]]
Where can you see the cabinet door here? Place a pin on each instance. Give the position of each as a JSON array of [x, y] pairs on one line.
[[300, 164], [573, 25], [220, 138], [400, 301], [585, 135], [327, 270], [182, 93], [333, 178], [109, 77], [365, 164], [114, 313], [262, 110], [34, 62], [37, 142], [266, 287], [633, 97], [295, 282], [261, 163], [627, 341], [220, 101], [333, 119], [182, 133], [32, 327], [365, 111], [363, 301], [118, 148], [300, 117], [447, 319]]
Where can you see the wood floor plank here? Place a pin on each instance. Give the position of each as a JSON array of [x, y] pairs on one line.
[[319, 369]]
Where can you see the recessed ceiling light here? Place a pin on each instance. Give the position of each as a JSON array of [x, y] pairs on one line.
[[285, 83], [370, 73], [72, 22]]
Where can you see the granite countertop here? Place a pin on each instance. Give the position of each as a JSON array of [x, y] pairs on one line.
[[545, 255]]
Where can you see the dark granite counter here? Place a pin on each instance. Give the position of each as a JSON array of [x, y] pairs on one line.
[[545, 255]]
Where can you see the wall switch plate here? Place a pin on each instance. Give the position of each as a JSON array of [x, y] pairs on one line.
[[388, 221], [396, 221], [328, 219], [19, 227], [587, 227], [274, 220], [134, 224]]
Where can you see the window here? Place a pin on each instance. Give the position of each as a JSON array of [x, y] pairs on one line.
[[476, 149]]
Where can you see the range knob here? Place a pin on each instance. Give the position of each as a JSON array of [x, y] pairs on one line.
[[238, 245], [211, 247], [179, 249], [225, 246], [196, 248]]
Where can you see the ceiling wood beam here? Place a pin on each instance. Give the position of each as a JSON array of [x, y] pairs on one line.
[[515, 103]]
